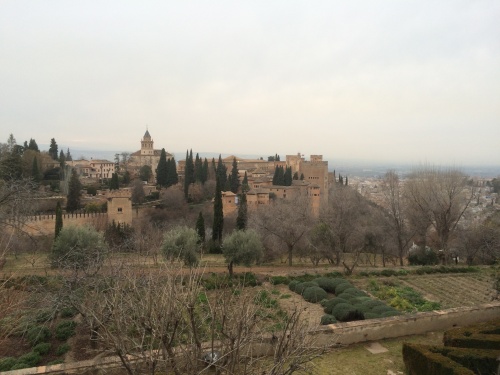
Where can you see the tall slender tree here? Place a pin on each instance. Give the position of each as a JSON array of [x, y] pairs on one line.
[[173, 178], [162, 170], [53, 152], [204, 172], [244, 185], [221, 173], [114, 184], [68, 156], [242, 218], [287, 178], [33, 146], [235, 179], [218, 223], [35, 171], [74, 188], [59, 220], [200, 228]]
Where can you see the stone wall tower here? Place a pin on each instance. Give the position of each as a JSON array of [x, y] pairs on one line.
[[120, 207], [147, 145]]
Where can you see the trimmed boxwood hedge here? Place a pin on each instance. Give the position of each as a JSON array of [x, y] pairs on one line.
[[314, 294], [299, 288], [328, 319], [292, 284], [326, 283], [332, 303]]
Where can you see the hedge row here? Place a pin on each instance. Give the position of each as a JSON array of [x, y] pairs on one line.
[[480, 336]]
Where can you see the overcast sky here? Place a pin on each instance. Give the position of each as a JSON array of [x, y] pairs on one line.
[[405, 81]]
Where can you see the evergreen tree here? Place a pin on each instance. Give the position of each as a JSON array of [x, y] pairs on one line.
[[35, 172], [341, 180], [221, 173], [279, 176], [244, 185], [126, 178], [53, 152], [173, 178], [11, 167], [198, 169], [59, 219], [218, 223], [296, 176], [287, 178], [33, 146], [114, 184], [62, 159], [200, 227], [275, 176], [346, 181], [188, 173], [204, 172], [302, 177], [73, 201], [68, 156], [162, 170], [242, 218], [234, 178]]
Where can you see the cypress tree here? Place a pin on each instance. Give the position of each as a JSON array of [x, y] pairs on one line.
[[287, 178], [241, 219], [302, 177], [218, 223], [59, 220], [244, 184], [221, 172], [162, 170], [200, 227], [346, 181], [35, 172], [173, 178], [74, 187], [204, 171], [296, 176], [281, 176], [198, 169], [114, 184], [235, 180], [275, 176]]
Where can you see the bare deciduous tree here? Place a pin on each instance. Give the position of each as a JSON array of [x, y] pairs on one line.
[[438, 199], [288, 220]]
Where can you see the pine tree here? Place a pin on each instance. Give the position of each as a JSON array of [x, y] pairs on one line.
[[53, 149], [241, 219], [114, 184], [74, 187], [200, 227], [33, 146], [235, 179], [162, 170], [59, 220], [68, 156], [218, 223]]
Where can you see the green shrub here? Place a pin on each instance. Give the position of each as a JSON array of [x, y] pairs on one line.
[[327, 284], [44, 316], [352, 315], [328, 319], [65, 330], [389, 313], [371, 304], [323, 302], [292, 284], [381, 309], [355, 292], [360, 300], [275, 280], [42, 348], [31, 359], [62, 349], [20, 365], [314, 294], [303, 286], [305, 277], [341, 309], [38, 334], [330, 304], [342, 286], [388, 272], [421, 257], [347, 296], [371, 315], [68, 312], [7, 363]]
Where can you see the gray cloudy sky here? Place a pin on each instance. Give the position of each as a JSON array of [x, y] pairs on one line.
[[406, 81]]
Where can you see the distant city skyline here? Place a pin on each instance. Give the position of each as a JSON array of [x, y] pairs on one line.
[[409, 82]]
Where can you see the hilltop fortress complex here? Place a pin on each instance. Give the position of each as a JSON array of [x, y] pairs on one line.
[[313, 184]]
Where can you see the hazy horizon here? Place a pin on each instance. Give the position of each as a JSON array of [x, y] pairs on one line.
[[413, 82]]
